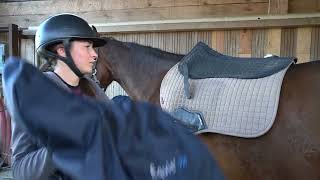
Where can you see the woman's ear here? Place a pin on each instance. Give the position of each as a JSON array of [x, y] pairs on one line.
[[61, 51]]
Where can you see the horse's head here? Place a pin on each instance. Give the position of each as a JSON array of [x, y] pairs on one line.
[[104, 67], [137, 68]]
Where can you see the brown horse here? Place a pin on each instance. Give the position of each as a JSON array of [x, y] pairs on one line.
[[291, 148]]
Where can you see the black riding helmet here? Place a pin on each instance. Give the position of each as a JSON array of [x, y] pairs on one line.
[[64, 28]]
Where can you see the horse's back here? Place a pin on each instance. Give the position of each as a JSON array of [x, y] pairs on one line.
[[301, 91], [291, 149]]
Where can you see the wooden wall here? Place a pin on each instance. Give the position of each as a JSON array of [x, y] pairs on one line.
[[302, 43], [31, 13]]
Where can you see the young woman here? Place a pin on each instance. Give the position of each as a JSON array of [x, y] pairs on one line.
[[68, 41]]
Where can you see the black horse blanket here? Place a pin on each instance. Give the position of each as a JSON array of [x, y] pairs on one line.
[[103, 140]]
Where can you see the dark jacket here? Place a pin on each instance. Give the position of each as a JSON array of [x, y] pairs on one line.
[[31, 160]]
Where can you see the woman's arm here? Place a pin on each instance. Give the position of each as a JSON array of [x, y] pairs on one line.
[[29, 162]]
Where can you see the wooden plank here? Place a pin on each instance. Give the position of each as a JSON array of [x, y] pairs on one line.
[[273, 41], [170, 42], [288, 42], [186, 2], [143, 38], [3, 1], [159, 3], [176, 42], [135, 4], [163, 39], [34, 18], [236, 42], [208, 11], [210, 2], [220, 41], [298, 20], [27, 50], [214, 40], [245, 43], [49, 7], [158, 40], [4, 37], [74, 6], [315, 44], [182, 45], [304, 44], [304, 6], [214, 2], [123, 4], [259, 42], [278, 7], [231, 44], [189, 41], [206, 37]]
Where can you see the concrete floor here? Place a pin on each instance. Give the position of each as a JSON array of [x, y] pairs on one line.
[[5, 174]]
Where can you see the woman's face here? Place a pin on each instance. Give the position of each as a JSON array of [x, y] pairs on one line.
[[84, 55]]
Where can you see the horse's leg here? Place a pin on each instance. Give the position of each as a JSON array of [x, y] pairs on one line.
[[291, 149]]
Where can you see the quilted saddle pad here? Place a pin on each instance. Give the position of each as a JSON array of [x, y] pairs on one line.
[[229, 106]]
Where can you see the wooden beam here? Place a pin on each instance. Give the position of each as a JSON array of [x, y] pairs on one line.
[[76, 6], [81, 6], [13, 40], [278, 7], [145, 14], [298, 20]]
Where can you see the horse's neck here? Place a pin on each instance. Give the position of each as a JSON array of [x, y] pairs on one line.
[[144, 82], [143, 74], [142, 87]]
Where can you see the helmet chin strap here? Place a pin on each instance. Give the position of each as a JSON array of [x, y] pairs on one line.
[[69, 60]]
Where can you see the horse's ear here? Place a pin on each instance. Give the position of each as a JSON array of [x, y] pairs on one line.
[[94, 29]]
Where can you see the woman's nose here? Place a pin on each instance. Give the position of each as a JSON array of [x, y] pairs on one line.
[[94, 55]]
